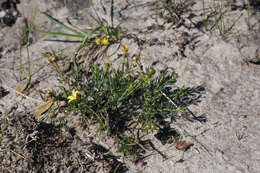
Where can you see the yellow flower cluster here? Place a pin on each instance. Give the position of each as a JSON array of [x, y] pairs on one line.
[[104, 41]]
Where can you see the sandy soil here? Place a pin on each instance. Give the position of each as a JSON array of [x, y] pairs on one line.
[[223, 71]]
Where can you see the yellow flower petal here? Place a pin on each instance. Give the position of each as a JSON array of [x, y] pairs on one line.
[[98, 41], [74, 93], [125, 48], [105, 41], [73, 96]]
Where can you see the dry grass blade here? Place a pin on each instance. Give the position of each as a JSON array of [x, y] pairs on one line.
[[20, 88], [182, 145], [42, 108], [20, 93]]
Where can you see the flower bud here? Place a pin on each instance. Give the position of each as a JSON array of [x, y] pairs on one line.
[[125, 48], [53, 59], [47, 95], [135, 58]]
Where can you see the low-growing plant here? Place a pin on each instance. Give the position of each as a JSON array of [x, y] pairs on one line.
[[219, 10], [128, 146], [101, 29], [172, 10], [120, 98]]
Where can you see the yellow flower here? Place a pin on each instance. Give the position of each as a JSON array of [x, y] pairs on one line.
[[125, 48], [98, 41], [73, 96], [105, 41]]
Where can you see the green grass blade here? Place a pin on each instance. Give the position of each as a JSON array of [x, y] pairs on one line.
[[57, 22], [86, 38], [56, 33], [95, 29], [61, 24]]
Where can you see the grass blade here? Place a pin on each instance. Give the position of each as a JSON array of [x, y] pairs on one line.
[[53, 20], [56, 33], [61, 24]]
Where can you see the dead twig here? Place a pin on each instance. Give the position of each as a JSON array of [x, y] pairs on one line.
[[29, 98]]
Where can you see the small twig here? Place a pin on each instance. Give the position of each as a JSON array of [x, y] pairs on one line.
[[29, 98], [17, 154], [170, 100], [176, 106], [112, 13], [244, 59], [187, 133], [147, 151], [140, 145], [196, 140], [117, 167]]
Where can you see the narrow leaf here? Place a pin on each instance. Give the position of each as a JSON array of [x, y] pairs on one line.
[[56, 33], [21, 87], [42, 108]]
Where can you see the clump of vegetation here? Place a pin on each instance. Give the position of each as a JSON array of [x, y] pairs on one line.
[[172, 11], [120, 99], [108, 94], [128, 97]]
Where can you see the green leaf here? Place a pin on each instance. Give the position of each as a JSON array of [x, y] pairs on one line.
[[55, 33]]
